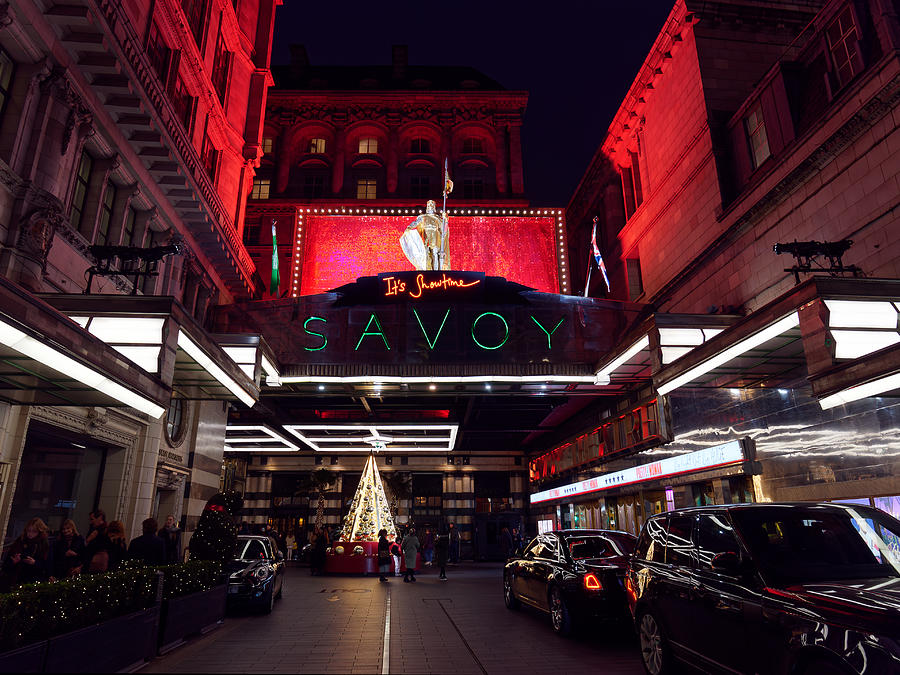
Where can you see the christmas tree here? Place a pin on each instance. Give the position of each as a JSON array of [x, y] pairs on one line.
[[216, 534], [369, 510]]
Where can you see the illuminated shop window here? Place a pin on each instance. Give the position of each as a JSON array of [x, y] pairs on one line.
[[260, 188], [313, 186], [79, 196], [317, 146], [473, 146], [106, 212], [267, 146], [365, 188], [843, 43], [756, 135], [368, 146], [473, 188], [420, 186], [420, 146]]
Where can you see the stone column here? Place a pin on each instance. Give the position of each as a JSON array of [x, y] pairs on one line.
[[515, 158], [501, 146], [340, 158]]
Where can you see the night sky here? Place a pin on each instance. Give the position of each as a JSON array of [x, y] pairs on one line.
[[576, 62]]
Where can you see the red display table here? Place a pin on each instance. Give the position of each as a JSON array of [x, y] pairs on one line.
[[348, 562]]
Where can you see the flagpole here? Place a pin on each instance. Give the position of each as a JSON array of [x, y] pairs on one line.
[[444, 217], [587, 283]]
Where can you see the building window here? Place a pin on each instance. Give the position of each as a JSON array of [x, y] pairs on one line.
[[159, 54], [260, 188], [209, 157], [756, 135], [79, 196], [635, 281], [631, 185], [473, 188], [365, 188], [251, 233], [195, 11], [843, 42], [317, 146], [7, 67], [128, 228], [106, 213], [473, 146], [175, 421], [183, 103], [221, 66], [420, 187], [420, 146], [267, 146], [313, 186], [368, 146]]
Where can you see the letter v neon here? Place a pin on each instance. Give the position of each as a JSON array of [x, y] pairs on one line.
[[431, 343]]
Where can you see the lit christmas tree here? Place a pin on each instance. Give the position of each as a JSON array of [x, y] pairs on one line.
[[369, 510]]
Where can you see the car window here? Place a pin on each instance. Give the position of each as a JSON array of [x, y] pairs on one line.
[[588, 547], [531, 549], [715, 535], [652, 544], [802, 544], [251, 549], [624, 542], [679, 547], [550, 548]]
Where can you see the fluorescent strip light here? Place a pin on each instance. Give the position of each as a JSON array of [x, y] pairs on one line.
[[145, 357], [670, 354], [624, 357], [461, 379], [272, 377], [194, 351], [677, 337], [851, 344], [861, 314], [241, 355], [267, 451], [792, 320], [128, 329], [859, 391], [66, 365], [270, 437]]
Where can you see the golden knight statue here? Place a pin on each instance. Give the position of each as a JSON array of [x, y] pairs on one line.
[[425, 241]]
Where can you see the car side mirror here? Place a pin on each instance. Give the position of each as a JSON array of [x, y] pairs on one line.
[[728, 562]]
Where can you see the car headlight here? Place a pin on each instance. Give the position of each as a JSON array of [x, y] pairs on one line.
[[262, 573]]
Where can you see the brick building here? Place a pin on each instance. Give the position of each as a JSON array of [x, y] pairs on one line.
[[132, 125], [751, 124]]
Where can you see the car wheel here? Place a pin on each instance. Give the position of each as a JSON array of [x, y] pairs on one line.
[[509, 595], [654, 650], [559, 613], [820, 667]]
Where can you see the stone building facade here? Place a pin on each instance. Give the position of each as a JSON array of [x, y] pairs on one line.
[[137, 125]]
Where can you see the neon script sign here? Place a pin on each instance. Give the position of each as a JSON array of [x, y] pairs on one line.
[[396, 286]]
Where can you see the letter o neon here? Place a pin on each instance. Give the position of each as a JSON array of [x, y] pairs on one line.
[[505, 326]]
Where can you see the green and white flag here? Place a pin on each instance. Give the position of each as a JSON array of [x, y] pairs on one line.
[[276, 277]]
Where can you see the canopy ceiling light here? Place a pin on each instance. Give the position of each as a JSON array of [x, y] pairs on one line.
[[436, 379], [603, 374], [865, 390], [240, 434], [55, 359], [385, 437], [195, 352]]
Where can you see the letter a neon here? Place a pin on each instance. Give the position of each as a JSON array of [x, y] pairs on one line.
[[549, 333], [431, 343], [367, 332]]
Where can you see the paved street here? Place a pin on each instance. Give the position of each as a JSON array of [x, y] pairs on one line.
[[337, 625]]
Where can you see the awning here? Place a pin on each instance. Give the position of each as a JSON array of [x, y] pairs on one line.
[[47, 359], [158, 334]]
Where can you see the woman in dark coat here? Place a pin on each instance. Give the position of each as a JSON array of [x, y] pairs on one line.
[[28, 560], [441, 554], [384, 554], [67, 551], [410, 549]]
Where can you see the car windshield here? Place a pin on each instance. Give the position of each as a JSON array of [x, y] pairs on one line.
[[250, 549], [594, 546], [804, 544]]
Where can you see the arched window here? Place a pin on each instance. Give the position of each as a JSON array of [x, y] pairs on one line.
[[368, 145], [317, 146], [420, 146], [473, 146], [175, 426]]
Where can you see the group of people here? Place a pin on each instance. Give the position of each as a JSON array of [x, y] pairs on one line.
[[437, 549], [36, 556]]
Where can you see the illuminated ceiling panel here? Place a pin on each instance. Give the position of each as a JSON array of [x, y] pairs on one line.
[[256, 438], [380, 437]]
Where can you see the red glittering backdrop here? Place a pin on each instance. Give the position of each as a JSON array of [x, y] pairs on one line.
[[338, 249]]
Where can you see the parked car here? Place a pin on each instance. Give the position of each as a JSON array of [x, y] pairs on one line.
[[574, 575], [256, 575], [769, 588]]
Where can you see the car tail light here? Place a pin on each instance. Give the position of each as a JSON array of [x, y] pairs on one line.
[[592, 583]]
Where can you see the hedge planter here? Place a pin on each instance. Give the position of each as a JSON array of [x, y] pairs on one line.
[[108, 647], [191, 615], [28, 659]]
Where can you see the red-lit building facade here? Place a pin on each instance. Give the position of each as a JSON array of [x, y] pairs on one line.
[[132, 125], [749, 124]]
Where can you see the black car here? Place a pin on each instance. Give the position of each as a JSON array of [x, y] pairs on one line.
[[769, 588], [572, 574], [256, 575]]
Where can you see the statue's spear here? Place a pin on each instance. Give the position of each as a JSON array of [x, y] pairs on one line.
[[448, 188]]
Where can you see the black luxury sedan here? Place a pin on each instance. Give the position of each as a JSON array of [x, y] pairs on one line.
[[572, 575], [805, 589], [256, 575]]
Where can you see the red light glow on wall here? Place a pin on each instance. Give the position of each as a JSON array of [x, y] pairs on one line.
[[338, 249]]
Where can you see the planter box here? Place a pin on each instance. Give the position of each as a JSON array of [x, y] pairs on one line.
[[28, 659], [107, 647], [191, 615]]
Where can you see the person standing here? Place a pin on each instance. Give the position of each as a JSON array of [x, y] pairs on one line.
[[171, 535], [428, 547], [410, 549], [454, 544], [396, 551], [320, 546], [441, 554], [148, 548], [384, 554], [506, 543], [67, 551], [291, 544], [28, 560], [118, 549]]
